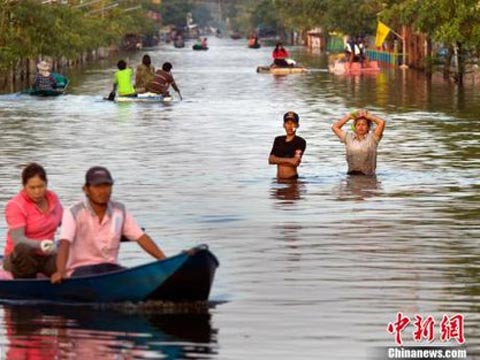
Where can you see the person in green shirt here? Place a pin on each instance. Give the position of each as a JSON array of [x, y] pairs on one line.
[[123, 81]]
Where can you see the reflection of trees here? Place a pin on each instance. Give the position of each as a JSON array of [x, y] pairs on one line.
[[402, 91]]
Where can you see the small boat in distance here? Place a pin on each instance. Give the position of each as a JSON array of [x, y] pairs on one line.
[[253, 42], [186, 277], [62, 84], [274, 70], [199, 47]]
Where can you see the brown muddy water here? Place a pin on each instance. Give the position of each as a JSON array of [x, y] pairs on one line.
[[314, 269]]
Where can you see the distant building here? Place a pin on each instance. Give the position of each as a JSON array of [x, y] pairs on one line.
[[315, 39]]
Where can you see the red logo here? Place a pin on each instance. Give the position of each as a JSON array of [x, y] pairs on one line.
[[451, 328]]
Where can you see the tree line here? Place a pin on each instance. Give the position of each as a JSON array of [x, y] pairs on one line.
[[31, 29], [454, 24]]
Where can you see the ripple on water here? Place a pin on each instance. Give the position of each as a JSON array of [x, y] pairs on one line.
[[312, 269]]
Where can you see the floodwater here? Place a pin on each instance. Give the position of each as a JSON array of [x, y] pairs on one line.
[[315, 269]]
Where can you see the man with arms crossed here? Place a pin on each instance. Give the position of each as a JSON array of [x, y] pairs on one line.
[[287, 150]]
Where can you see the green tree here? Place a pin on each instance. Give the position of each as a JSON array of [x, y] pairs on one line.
[[201, 15], [174, 12], [357, 18], [452, 22]]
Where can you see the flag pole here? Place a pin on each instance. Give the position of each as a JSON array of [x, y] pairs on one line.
[[404, 48]]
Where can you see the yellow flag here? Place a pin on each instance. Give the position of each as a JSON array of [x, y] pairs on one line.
[[382, 32]]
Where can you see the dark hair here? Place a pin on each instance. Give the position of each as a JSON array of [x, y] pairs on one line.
[[167, 66], [32, 170], [122, 65], [369, 122], [146, 60]]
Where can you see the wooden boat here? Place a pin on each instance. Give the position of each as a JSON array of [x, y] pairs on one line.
[[62, 84], [345, 68], [144, 97], [199, 47], [280, 70], [185, 277]]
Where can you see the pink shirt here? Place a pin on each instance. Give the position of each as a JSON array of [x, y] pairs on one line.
[[21, 211], [92, 242]]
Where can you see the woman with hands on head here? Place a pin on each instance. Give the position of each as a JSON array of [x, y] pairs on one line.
[[360, 144], [32, 216]]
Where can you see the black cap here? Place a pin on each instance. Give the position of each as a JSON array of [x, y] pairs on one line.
[[98, 175], [291, 116]]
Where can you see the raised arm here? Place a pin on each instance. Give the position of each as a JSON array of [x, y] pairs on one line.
[[337, 126], [380, 125]]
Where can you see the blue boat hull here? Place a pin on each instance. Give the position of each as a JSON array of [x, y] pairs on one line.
[[184, 277]]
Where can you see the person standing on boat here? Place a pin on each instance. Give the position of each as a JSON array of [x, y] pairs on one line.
[[287, 150], [123, 80], [280, 55], [44, 79], [162, 80], [361, 144], [32, 217], [352, 50], [145, 73], [92, 229]]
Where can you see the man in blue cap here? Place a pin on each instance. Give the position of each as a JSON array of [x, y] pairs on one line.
[[287, 150]]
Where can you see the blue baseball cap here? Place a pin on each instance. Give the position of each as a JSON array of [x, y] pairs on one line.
[[291, 115]]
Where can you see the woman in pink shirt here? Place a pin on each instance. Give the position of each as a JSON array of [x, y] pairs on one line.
[[32, 216]]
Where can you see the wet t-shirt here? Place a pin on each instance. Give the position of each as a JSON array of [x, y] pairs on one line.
[[287, 149], [361, 154]]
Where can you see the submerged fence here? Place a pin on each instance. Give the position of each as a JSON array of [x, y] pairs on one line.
[[385, 57]]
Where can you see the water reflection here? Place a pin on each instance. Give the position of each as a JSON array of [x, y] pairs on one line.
[[56, 333], [358, 187], [333, 257], [289, 236], [287, 191]]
